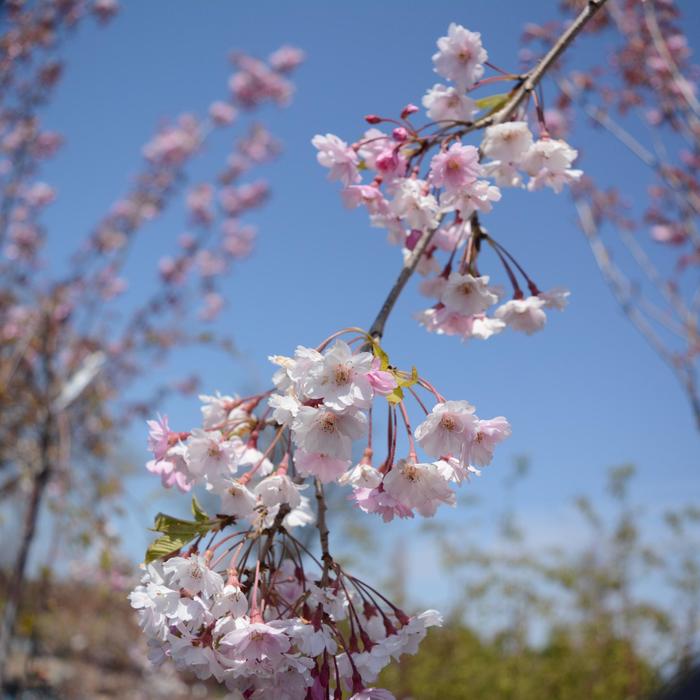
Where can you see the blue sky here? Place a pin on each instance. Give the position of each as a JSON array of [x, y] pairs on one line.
[[585, 394]]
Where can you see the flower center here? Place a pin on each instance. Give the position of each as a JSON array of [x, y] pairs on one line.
[[342, 374], [449, 423], [327, 422], [410, 472], [464, 55], [465, 289]]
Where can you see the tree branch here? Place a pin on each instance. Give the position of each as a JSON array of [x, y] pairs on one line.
[[323, 533]]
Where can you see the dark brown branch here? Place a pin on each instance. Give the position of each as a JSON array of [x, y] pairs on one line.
[[323, 533]]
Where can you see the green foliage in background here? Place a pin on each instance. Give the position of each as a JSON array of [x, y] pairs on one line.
[[610, 620]]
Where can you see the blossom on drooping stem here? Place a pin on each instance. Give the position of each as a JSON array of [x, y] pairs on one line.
[[467, 295], [428, 189], [421, 178], [524, 315], [259, 455]]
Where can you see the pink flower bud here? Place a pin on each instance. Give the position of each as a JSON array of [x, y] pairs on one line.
[[387, 160]]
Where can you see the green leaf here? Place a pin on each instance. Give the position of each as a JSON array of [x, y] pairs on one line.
[[492, 102], [377, 351], [169, 525], [396, 396], [163, 546], [199, 514], [404, 380], [178, 532]]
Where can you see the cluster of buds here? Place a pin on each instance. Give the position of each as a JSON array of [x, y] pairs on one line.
[[437, 208], [246, 611]]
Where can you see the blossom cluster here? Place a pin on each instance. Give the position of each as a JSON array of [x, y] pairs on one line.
[[434, 209], [282, 639], [245, 610], [321, 413]]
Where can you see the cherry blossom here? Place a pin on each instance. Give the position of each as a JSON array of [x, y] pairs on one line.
[[324, 431], [334, 153], [488, 434], [209, 455], [415, 204], [326, 467], [194, 575], [456, 168], [524, 315], [467, 295], [450, 425], [341, 378], [460, 56], [548, 162], [419, 486], [443, 103]]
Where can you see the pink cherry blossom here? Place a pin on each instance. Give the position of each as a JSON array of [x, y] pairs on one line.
[[382, 382], [446, 430], [507, 142], [456, 168], [222, 113], [377, 500], [327, 432], [445, 103], [414, 204], [467, 295], [487, 435], [418, 486], [340, 378], [524, 315], [477, 197], [548, 162], [325, 467], [194, 575], [210, 456], [557, 298], [460, 56], [278, 489], [255, 642], [333, 153], [159, 436]]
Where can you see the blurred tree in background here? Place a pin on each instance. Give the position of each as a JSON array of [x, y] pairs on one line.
[[611, 619]]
